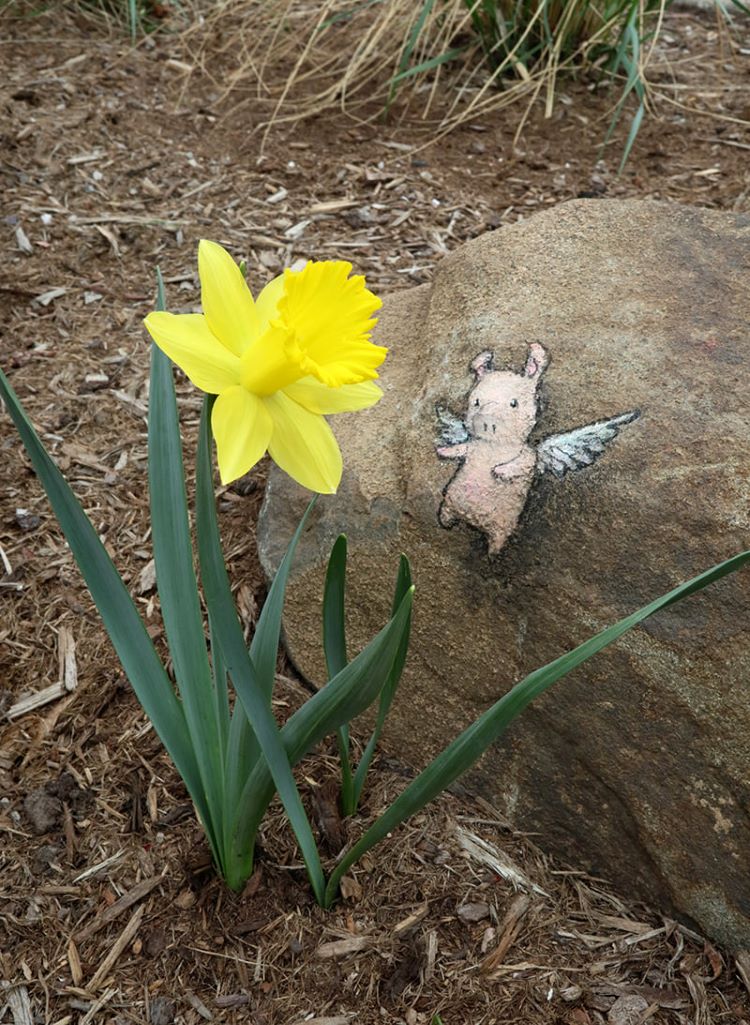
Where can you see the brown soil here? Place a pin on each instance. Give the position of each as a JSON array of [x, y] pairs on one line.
[[110, 166]]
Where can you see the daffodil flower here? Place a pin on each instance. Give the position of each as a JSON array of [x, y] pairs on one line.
[[278, 365]]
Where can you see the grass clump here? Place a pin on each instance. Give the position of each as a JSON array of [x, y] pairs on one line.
[[452, 60]]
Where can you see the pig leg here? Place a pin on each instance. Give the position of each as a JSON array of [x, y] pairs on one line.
[[496, 543]]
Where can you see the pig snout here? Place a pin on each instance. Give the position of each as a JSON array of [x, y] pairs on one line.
[[487, 422], [498, 420]]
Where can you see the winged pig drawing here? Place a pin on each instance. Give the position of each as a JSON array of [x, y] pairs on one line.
[[497, 463]]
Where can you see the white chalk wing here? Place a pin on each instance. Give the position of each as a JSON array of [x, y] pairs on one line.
[[452, 428], [580, 447]]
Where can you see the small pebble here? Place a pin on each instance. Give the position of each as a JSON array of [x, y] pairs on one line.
[[43, 811], [26, 520], [474, 912], [43, 857], [162, 1011]]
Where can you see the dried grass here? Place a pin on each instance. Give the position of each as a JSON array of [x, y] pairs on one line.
[[295, 60]]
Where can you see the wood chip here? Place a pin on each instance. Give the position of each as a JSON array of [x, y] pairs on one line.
[[341, 948], [411, 920], [138, 892], [509, 930], [497, 861], [350, 888], [45, 298], [122, 941], [86, 158], [199, 1006], [66, 655], [22, 241], [17, 999], [341, 1019], [97, 1006], [147, 578], [332, 205], [625, 924], [74, 962], [34, 701], [431, 948], [742, 961], [95, 869], [338, 1020]]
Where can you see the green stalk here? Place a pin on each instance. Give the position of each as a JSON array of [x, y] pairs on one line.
[[251, 688]]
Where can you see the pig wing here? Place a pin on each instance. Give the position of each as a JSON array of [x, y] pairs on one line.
[[580, 447], [452, 428]]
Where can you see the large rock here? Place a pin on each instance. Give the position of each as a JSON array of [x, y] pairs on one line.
[[630, 320]]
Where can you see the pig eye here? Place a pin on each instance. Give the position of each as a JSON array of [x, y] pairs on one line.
[[513, 403], [476, 402]]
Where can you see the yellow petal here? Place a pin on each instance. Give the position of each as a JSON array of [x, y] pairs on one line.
[[329, 317], [314, 396], [187, 340], [272, 361], [303, 445], [242, 429], [267, 303], [225, 297]]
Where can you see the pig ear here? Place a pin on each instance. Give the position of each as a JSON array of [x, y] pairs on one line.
[[482, 363], [537, 361]]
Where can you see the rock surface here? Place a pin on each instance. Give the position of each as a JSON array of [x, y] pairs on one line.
[[631, 320]]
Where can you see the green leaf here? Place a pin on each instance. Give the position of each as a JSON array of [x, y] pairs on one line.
[[247, 681], [403, 584], [334, 646], [466, 749], [178, 589], [126, 630], [428, 65], [347, 695], [334, 631]]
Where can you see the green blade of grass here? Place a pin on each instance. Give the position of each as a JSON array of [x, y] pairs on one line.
[[428, 65], [411, 42]]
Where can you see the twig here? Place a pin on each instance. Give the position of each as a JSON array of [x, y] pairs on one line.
[[110, 914], [121, 943]]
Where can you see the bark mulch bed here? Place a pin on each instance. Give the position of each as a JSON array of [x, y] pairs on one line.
[[108, 910]]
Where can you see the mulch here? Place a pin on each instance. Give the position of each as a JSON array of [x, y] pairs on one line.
[[114, 161]]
